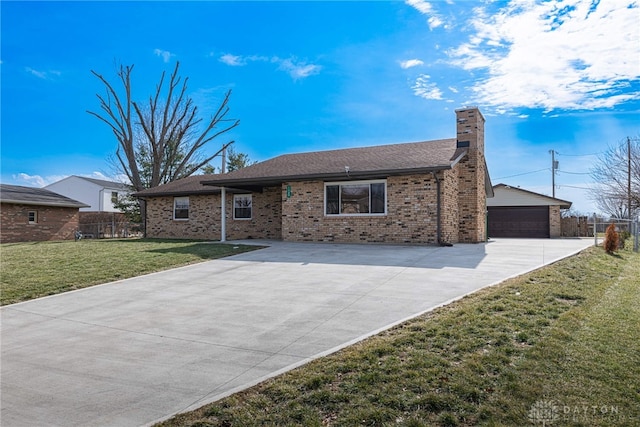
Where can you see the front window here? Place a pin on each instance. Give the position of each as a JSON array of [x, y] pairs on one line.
[[33, 217], [242, 206], [355, 198], [181, 208], [114, 197]]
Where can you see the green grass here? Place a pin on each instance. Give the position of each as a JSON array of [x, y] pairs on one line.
[[32, 270], [565, 337]]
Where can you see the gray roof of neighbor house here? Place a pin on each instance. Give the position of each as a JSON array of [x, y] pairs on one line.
[[17, 194], [525, 198], [105, 183]]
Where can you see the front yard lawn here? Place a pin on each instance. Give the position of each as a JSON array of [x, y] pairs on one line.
[[559, 347], [32, 270]]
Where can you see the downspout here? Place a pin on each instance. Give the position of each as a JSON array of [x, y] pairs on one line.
[[223, 214], [438, 209]]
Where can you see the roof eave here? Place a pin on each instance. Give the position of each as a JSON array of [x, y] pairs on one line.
[[337, 176], [51, 204]]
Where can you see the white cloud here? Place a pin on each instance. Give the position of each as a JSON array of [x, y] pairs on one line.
[[44, 75], [554, 55], [410, 63], [434, 22], [425, 89], [164, 54], [421, 6], [233, 60], [426, 8], [27, 180], [297, 70]]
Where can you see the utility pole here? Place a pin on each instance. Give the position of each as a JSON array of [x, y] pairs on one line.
[[629, 177], [223, 168], [554, 167]]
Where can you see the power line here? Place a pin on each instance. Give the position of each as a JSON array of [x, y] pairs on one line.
[[575, 173], [520, 174], [573, 186], [580, 155]]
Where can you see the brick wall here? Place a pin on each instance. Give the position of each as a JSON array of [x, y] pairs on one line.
[[204, 218], [555, 222], [53, 223], [450, 219], [411, 214], [472, 195]]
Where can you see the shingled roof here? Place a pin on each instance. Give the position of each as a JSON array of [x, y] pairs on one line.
[[36, 196], [181, 187], [362, 163]]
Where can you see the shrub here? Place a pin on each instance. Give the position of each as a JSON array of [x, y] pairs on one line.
[[611, 239]]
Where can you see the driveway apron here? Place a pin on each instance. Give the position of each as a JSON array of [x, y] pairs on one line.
[[136, 351]]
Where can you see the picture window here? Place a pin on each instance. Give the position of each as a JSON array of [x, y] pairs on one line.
[[356, 198]]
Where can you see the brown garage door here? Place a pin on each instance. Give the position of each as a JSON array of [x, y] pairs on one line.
[[519, 221]]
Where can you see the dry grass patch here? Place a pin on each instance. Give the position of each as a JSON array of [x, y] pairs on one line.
[[564, 335]]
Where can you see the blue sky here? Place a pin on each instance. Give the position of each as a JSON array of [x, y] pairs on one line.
[[305, 76]]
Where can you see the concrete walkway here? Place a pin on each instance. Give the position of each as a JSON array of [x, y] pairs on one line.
[[136, 351]]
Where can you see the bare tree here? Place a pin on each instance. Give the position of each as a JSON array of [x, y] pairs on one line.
[[617, 174], [163, 139]]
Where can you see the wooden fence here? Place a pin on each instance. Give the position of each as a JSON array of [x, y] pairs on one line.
[[576, 226]]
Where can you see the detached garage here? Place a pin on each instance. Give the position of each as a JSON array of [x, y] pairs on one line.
[[514, 212]]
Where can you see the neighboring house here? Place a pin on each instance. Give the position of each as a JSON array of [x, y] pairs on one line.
[[421, 192], [98, 194], [514, 212], [35, 214]]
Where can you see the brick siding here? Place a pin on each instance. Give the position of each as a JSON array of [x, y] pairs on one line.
[[471, 184], [411, 214], [450, 219], [411, 206], [53, 223], [204, 218]]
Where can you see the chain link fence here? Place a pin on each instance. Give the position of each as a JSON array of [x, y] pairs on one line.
[[107, 225], [626, 229]]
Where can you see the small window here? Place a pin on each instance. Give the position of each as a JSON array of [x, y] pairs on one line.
[[242, 206], [33, 217], [114, 197], [181, 208]]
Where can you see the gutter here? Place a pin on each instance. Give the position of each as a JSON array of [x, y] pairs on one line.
[[438, 210]]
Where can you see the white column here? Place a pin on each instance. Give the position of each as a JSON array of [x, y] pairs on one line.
[[223, 215]]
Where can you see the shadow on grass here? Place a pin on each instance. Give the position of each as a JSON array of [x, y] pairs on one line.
[[204, 250]]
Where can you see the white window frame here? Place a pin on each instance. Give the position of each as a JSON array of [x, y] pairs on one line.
[[35, 217], [364, 182], [175, 203], [243, 196]]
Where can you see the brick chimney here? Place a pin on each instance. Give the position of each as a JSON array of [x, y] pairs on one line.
[[472, 200]]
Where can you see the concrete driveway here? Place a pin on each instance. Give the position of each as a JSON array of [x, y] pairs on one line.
[[136, 351]]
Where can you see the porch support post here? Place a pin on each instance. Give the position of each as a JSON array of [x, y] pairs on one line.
[[223, 214]]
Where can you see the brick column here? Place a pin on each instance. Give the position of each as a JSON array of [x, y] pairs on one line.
[[472, 170]]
